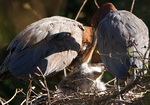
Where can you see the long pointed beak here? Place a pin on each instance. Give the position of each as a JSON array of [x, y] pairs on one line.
[[89, 51]]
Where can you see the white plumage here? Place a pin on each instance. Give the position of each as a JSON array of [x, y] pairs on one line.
[[85, 78]]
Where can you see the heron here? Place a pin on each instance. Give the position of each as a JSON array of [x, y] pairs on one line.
[[123, 40], [50, 44]]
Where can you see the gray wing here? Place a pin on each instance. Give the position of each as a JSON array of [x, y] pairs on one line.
[[118, 34], [50, 43]]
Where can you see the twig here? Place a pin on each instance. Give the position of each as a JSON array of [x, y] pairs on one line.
[[128, 87], [107, 83], [142, 57], [23, 102], [46, 86], [2, 101], [29, 91], [16, 92], [95, 1], [80, 9], [132, 6], [38, 97]]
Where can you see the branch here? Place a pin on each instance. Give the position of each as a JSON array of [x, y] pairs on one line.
[[95, 1], [107, 83], [80, 9], [46, 86], [29, 91], [132, 6], [128, 87], [16, 92]]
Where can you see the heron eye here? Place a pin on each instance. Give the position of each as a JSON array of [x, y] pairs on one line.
[[81, 27]]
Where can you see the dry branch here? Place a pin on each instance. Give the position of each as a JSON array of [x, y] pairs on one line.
[[80, 9], [132, 6], [46, 86], [95, 1], [4, 102]]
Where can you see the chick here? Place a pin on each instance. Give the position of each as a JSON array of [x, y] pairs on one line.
[[85, 78]]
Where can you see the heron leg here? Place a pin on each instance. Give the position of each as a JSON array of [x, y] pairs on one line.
[[131, 76], [118, 86]]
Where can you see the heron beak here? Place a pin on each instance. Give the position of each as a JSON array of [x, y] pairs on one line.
[[89, 51]]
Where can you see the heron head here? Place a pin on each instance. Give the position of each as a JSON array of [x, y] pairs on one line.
[[87, 36], [101, 13], [89, 44]]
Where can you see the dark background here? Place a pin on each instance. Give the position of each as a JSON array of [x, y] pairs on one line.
[[15, 15]]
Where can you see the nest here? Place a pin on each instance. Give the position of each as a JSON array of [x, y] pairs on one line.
[[95, 98], [130, 94]]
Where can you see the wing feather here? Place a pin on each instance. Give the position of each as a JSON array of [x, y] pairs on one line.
[[50, 43], [117, 33]]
